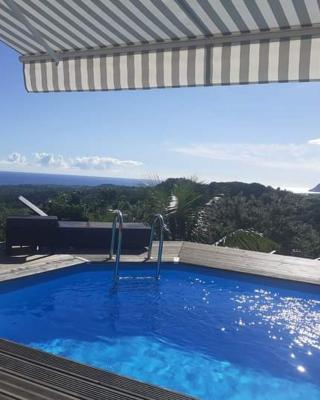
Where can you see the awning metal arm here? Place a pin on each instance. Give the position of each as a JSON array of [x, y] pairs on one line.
[[217, 40], [18, 12]]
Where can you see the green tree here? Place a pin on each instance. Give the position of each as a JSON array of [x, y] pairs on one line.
[[183, 209]]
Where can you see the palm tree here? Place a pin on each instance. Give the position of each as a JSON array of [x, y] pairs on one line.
[[183, 208]]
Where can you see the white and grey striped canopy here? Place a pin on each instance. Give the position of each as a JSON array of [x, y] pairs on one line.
[[74, 45]]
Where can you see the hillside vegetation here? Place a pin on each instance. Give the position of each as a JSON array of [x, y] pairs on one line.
[[248, 240], [284, 221]]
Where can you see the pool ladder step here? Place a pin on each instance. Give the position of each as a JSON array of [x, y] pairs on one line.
[[118, 223]]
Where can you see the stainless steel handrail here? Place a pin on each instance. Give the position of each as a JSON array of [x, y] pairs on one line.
[[163, 227], [118, 218]]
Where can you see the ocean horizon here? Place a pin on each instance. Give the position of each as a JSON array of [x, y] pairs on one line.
[[33, 178]]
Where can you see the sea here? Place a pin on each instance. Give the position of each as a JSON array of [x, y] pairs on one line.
[[28, 178]]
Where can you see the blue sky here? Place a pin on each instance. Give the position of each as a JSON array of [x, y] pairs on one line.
[[255, 133]]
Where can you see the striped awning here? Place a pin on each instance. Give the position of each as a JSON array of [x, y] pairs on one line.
[[75, 45]]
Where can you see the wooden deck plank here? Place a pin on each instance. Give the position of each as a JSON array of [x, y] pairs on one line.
[[5, 396], [20, 266], [238, 253], [251, 262], [19, 387], [29, 374], [171, 250], [17, 268]]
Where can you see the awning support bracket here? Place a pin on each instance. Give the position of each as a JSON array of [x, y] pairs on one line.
[[18, 12]]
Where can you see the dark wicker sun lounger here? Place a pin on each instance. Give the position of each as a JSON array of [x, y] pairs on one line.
[[32, 232], [49, 232], [97, 235]]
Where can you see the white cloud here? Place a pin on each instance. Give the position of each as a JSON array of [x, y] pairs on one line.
[[59, 162], [96, 162], [15, 158], [283, 156], [50, 160], [314, 141]]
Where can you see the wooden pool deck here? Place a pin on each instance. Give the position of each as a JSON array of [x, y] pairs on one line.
[[18, 267], [250, 262], [28, 374]]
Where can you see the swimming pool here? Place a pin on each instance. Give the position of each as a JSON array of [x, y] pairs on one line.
[[204, 332]]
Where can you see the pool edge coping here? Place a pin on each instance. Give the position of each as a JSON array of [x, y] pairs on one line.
[[209, 256]]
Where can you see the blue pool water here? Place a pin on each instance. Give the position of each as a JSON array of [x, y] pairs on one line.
[[207, 333]]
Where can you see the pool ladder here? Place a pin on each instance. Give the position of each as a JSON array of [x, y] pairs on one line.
[[163, 227], [118, 220]]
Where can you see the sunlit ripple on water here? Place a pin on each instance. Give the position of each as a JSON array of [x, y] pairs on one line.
[[296, 316]]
